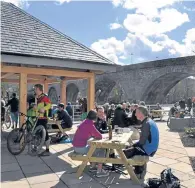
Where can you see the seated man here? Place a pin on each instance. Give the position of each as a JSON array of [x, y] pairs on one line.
[[101, 124], [63, 115], [85, 131], [149, 138]]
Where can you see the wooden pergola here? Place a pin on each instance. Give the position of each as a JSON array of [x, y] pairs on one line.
[[27, 75]]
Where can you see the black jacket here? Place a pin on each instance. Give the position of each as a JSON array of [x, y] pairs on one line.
[[101, 126], [69, 110], [66, 119], [14, 103], [134, 119], [110, 114], [120, 117]]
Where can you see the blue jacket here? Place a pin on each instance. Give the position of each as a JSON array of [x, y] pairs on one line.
[[149, 138]]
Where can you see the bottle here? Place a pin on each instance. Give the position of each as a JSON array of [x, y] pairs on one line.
[[110, 129]]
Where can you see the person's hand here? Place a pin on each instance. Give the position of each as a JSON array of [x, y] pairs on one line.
[[42, 110]]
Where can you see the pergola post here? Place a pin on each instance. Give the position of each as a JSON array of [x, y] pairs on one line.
[[23, 96], [63, 91], [45, 86], [91, 93]]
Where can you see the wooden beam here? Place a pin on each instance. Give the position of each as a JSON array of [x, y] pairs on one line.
[[17, 81], [63, 91], [45, 86], [41, 71], [23, 96], [91, 93], [6, 75], [4, 80]]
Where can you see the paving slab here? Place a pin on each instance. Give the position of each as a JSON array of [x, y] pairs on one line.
[[189, 183], [184, 159], [28, 160], [29, 169], [182, 167], [71, 179], [68, 169], [124, 185], [155, 168], [15, 184], [87, 185], [52, 184], [113, 178], [12, 176], [37, 178], [7, 158], [164, 161], [183, 176], [190, 151], [10, 167]]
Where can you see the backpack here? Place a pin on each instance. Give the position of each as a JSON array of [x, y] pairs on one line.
[[167, 180]]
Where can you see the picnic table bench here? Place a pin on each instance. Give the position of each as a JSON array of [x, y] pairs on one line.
[[118, 143], [60, 129], [158, 113]]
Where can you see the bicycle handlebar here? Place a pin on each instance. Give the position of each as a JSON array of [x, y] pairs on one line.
[[22, 114]]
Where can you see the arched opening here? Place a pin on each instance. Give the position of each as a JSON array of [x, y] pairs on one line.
[[103, 89], [159, 88], [72, 92], [53, 96]]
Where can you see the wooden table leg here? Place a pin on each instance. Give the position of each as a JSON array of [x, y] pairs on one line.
[[129, 167], [84, 163]]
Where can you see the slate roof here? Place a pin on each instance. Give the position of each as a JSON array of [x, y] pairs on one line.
[[23, 34]]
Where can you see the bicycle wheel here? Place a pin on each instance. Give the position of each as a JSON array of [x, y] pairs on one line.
[[16, 141], [37, 140]]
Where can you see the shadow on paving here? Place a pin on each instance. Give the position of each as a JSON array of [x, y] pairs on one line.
[[56, 170]]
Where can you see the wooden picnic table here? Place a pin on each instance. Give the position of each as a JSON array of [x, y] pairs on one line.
[[58, 123], [118, 143]]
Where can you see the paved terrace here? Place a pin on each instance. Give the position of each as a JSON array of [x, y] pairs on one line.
[[58, 170]]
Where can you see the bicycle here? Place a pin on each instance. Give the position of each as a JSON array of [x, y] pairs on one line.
[[29, 134]]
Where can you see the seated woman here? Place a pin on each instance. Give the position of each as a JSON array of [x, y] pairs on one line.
[[85, 131]]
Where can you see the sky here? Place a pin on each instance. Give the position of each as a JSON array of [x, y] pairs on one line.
[[125, 31]]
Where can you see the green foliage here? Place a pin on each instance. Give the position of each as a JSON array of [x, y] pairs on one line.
[[190, 132]]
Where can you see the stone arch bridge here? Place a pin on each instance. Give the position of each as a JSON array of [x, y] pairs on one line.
[[150, 81]]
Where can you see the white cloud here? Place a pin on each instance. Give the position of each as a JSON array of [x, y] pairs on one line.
[[19, 3], [137, 23], [147, 7], [123, 57], [62, 1], [114, 26], [109, 48], [189, 9]]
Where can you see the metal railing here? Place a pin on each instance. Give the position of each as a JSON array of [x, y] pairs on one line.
[[76, 113]]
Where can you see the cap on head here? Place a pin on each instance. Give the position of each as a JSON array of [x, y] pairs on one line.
[[61, 105]]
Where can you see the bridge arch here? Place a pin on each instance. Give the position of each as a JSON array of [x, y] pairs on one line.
[[160, 87], [53, 95], [103, 88], [72, 92]]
